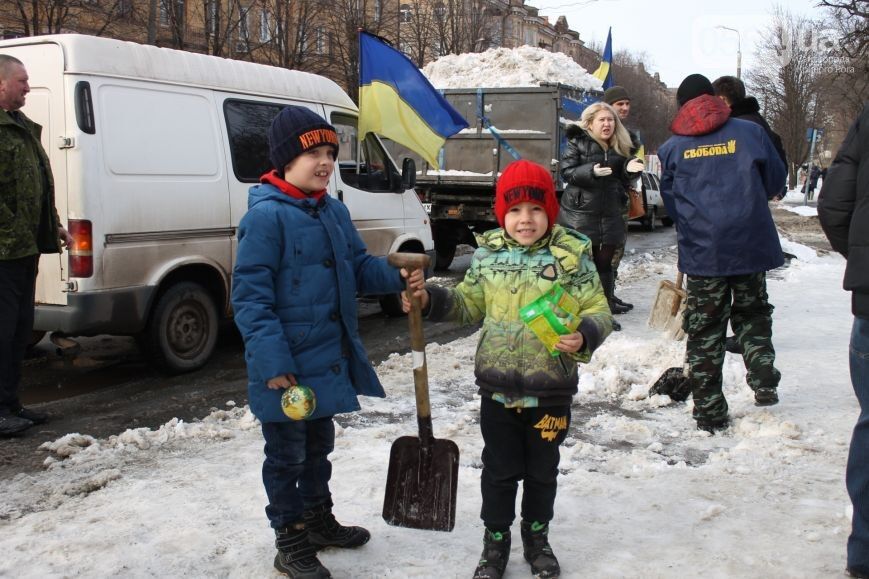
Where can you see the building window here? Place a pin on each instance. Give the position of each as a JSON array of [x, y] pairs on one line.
[[243, 44], [211, 16], [265, 26], [378, 10], [164, 12], [321, 40], [406, 14]]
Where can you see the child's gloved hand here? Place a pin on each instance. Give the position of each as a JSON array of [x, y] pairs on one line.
[[601, 171], [570, 342], [634, 166], [416, 282]]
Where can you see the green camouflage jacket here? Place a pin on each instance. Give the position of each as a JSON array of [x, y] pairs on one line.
[[505, 276], [28, 220]]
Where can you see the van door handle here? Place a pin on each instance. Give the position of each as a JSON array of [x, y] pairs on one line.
[[341, 195]]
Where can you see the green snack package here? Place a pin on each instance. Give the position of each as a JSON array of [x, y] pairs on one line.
[[552, 315]]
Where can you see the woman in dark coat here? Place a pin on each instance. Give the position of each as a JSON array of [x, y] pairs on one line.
[[596, 167]]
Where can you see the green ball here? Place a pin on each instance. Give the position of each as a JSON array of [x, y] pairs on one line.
[[298, 402]]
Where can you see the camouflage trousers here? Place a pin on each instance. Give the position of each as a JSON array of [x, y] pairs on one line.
[[712, 301]]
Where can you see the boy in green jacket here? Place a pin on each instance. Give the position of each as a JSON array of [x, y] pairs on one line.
[[526, 389]]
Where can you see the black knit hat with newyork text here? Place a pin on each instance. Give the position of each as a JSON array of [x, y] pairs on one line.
[[296, 130]]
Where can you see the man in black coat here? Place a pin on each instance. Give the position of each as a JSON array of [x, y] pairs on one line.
[[843, 208], [732, 91]]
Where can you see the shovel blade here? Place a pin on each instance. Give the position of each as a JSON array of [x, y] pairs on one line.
[[666, 313], [421, 484]]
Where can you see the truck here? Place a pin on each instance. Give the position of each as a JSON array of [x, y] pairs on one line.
[[153, 151], [504, 124]]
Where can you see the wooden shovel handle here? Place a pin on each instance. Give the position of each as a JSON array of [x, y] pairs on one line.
[[412, 262]]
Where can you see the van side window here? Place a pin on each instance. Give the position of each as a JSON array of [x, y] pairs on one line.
[[375, 172], [247, 124]]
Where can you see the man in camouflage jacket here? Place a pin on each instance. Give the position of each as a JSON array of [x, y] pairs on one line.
[[29, 226]]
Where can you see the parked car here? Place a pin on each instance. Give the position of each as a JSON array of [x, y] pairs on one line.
[[653, 204]]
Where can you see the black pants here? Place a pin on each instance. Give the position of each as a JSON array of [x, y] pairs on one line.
[[520, 444], [17, 292]]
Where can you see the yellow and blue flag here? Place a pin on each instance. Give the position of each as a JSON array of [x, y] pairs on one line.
[[398, 102], [604, 71]]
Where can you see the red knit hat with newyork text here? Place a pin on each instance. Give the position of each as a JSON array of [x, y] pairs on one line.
[[525, 181]]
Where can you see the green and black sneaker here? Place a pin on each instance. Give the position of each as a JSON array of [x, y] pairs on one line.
[[538, 552]]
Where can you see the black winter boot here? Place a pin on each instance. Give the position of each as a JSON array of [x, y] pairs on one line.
[[297, 557], [607, 281], [535, 546], [325, 531], [496, 553]]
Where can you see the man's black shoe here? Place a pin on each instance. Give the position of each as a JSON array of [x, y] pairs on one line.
[[765, 396], [713, 426], [31, 415], [732, 346], [11, 425], [623, 303]]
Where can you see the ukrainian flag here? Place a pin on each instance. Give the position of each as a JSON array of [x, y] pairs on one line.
[[398, 102], [604, 71]]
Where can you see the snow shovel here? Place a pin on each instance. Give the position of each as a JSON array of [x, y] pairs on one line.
[[423, 471], [669, 305]]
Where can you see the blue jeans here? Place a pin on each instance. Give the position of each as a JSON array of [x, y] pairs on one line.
[[297, 470], [857, 475]]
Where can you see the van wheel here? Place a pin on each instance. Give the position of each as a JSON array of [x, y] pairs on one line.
[[650, 218], [182, 331]]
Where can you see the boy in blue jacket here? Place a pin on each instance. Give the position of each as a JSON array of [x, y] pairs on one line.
[[717, 175], [299, 267]]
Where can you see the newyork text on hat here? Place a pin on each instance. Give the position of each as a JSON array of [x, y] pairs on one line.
[[525, 181], [296, 130]]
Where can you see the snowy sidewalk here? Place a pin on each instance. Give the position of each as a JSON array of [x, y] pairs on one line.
[[642, 494]]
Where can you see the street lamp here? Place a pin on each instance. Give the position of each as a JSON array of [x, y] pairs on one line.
[[738, 49]]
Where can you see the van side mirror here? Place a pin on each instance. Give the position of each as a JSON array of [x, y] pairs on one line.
[[408, 174]]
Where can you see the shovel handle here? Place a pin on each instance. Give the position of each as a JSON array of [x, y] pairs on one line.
[[412, 262]]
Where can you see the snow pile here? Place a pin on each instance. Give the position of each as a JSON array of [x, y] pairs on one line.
[[506, 67]]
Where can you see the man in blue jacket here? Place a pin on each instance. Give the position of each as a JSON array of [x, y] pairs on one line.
[[718, 174], [843, 208]]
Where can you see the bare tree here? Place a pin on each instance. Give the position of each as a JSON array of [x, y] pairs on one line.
[[417, 24], [844, 70], [343, 19], [291, 35], [652, 105], [786, 80], [45, 16]]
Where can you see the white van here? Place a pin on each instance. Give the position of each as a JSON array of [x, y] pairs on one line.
[[153, 152]]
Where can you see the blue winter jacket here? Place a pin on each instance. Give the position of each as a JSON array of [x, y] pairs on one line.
[[717, 176], [299, 267]]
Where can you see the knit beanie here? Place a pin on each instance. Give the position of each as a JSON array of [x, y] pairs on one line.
[[692, 87], [525, 181], [615, 94], [296, 130]]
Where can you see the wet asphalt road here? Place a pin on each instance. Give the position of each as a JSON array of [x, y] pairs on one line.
[[109, 387]]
